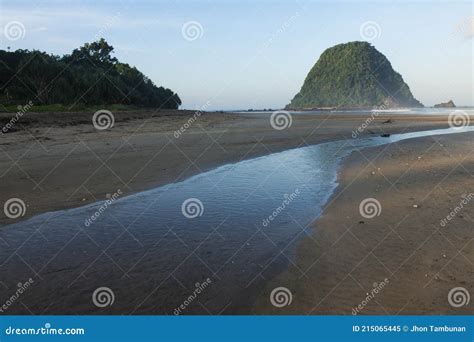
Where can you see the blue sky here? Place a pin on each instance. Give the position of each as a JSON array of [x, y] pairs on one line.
[[256, 54]]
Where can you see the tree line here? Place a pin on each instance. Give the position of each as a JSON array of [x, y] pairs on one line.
[[89, 76]]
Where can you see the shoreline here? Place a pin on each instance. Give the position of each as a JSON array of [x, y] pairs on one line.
[[61, 164], [349, 264], [335, 264]]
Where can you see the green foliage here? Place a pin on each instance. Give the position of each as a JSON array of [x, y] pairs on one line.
[[89, 76], [353, 75], [80, 107]]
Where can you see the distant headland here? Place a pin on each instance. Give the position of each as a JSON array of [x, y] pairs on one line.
[[89, 76]]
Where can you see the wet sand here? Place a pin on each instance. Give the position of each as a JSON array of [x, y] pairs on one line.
[[61, 161], [64, 164], [407, 259]]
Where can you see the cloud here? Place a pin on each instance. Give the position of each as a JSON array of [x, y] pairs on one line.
[[69, 27], [466, 27], [85, 17]]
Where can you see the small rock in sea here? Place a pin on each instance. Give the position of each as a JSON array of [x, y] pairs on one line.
[[449, 104], [416, 206]]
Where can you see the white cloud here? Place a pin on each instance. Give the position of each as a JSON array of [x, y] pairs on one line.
[[83, 17], [466, 27]]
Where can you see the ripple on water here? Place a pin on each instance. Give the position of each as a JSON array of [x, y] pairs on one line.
[[151, 255]]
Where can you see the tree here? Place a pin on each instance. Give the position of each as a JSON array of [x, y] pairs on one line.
[[89, 75], [98, 53]]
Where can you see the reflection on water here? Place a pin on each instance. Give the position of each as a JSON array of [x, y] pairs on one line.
[[153, 257]]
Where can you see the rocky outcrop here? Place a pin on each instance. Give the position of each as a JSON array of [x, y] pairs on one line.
[[353, 75], [449, 104]]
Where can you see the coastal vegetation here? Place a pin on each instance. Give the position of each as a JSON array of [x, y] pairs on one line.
[[89, 76]]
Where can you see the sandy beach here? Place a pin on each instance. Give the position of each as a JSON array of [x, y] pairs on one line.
[[54, 161], [271, 170], [403, 261], [59, 164]]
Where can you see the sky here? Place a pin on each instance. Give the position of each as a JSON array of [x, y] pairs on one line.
[[255, 54]]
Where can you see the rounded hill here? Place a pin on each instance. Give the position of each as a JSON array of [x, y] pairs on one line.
[[353, 75]]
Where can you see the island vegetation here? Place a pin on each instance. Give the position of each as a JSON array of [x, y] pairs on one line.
[[353, 75]]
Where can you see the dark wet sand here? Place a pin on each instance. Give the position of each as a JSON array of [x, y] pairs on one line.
[[62, 166], [60, 161], [418, 182]]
